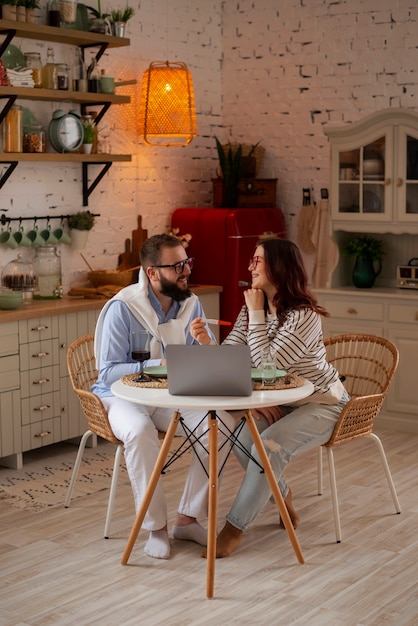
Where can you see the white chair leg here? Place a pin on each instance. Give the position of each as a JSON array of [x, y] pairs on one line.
[[333, 482], [319, 465], [387, 471], [77, 464], [113, 487]]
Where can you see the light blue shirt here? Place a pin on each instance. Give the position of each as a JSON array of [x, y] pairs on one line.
[[115, 350]]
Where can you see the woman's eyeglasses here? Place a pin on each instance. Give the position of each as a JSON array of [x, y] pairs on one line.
[[179, 267], [255, 261]]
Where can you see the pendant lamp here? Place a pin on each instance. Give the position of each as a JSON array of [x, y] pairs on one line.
[[167, 110]]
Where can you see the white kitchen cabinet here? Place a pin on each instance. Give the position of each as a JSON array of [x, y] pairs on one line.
[[390, 313], [374, 173]]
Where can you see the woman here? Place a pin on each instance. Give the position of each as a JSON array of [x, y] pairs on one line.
[[281, 314]]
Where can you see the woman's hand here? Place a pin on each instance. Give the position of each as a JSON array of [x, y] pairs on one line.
[[254, 299], [271, 413], [199, 331]]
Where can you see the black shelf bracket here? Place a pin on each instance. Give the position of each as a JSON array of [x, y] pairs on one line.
[[105, 107], [10, 34], [8, 172], [87, 190]]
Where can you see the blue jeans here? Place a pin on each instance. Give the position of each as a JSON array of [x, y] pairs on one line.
[[301, 429]]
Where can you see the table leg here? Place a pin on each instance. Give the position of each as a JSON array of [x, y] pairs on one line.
[[155, 477], [212, 502], [265, 462]]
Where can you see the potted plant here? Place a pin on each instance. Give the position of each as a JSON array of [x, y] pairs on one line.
[[234, 166], [119, 18], [20, 11], [80, 224], [99, 23], [32, 10], [368, 253], [9, 10], [89, 133]]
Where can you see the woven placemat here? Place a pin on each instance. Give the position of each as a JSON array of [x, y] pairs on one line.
[[289, 381]]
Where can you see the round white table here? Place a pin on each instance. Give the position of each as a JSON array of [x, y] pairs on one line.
[[211, 404]]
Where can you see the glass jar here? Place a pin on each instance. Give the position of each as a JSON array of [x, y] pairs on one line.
[[19, 275], [63, 76], [13, 130], [34, 138], [54, 13], [33, 61], [48, 268], [49, 71], [68, 11]]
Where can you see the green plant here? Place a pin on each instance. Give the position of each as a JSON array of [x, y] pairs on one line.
[[364, 246], [97, 12], [32, 4], [89, 130], [233, 167], [83, 220], [10, 2], [122, 15]]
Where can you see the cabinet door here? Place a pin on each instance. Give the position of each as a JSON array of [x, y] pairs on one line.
[[406, 183], [402, 396], [10, 440]]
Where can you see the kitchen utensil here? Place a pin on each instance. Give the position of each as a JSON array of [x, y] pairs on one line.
[[108, 84]]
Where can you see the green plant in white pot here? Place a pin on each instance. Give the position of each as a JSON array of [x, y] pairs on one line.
[[89, 133], [368, 253], [80, 224]]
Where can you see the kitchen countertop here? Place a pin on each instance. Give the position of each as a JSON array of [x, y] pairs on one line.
[[41, 308]]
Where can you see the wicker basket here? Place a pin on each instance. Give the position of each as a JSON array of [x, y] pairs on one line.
[[99, 278]]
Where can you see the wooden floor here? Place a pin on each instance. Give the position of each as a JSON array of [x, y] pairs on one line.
[[56, 569]]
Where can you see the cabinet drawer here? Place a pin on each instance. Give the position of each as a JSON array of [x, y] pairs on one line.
[[39, 381], [403, 313], [37, 328], [9, 373], [354, 310], [40, 408], [41, 434], [39, 354]]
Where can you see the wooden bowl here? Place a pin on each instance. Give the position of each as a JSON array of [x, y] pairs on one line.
[[99, 278]]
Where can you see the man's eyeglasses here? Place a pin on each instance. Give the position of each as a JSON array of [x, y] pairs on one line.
[[179, 267], [255, 261]]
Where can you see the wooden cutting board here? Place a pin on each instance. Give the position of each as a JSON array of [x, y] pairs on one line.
[[130, 258]]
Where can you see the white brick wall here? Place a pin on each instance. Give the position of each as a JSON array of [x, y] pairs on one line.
[[268, 70]]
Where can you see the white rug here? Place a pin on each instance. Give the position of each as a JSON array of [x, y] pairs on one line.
[[43, 483]]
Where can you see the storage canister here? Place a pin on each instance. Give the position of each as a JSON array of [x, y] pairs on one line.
[[34, 138], [13, 131], [48, 268], [33, 61]]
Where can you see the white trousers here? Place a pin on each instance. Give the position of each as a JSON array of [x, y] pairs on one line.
[[137, 427]]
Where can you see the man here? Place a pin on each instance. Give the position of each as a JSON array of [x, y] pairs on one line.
[[163, 304]]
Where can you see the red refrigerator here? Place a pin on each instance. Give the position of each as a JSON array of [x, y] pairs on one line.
[[223, 241]]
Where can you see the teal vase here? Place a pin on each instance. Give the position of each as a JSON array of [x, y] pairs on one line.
[[364, 272]]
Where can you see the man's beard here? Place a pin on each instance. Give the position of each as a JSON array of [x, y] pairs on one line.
[[172, 290]]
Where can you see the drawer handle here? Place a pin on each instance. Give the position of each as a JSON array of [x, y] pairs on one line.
[[40, 355], [43, 407], [399, 182], [39, 328], [388, 181], [63, 345], [352, 311], [64, 409], [41, 381], [45, 433]]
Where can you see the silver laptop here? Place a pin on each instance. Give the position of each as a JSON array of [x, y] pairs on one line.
[[209, 370]]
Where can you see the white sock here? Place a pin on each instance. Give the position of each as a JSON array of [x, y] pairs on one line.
[[158, 544], [191, 532]]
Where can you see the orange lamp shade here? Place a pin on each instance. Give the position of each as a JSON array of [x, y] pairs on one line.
[[167, 110]]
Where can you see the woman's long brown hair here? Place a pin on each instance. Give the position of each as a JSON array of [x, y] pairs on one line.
[[286, 271]]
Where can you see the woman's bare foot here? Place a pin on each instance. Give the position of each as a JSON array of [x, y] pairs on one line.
[[228, 539], [294, 517]]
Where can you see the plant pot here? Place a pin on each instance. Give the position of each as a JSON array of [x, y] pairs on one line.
[[32, 16], [9, 12], [118, 29], [21, 14], [79, 238], [87, 148], [364, 273]]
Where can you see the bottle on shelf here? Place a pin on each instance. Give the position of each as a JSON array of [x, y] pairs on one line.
[[33, 61], [80, 72], [63, 76], [54, 13], [94, 78], [49, 71]]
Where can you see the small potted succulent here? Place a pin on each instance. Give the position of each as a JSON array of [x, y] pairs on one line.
[[89, 133], [368, 253], [32, 10], [9, 10], [80, 224], [119, 18]]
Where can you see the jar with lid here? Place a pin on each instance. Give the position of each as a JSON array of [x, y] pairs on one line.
[[13, 130], [48, 268], [63, 76], [20, 275], [49, 71], [54, 13], [33, 61], [68, 12], [34, 138]]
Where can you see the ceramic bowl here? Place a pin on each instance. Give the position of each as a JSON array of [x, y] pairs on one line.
[[10, 299], [373, 167]]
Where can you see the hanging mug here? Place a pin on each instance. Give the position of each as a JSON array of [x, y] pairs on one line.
[[61, 236], [34, 236], [7, 239], [21, 238], [48, 237]]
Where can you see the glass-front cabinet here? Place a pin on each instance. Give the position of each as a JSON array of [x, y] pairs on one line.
[[374, 173]]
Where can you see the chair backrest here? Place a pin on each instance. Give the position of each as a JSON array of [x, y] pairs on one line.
[[81, 365], [366, 364]]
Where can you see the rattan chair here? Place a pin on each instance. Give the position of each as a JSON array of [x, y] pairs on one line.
[[83, 373], [366, 364]]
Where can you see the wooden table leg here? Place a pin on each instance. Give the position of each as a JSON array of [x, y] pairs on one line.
[[213, 502], [155, 477], [265, 462]]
